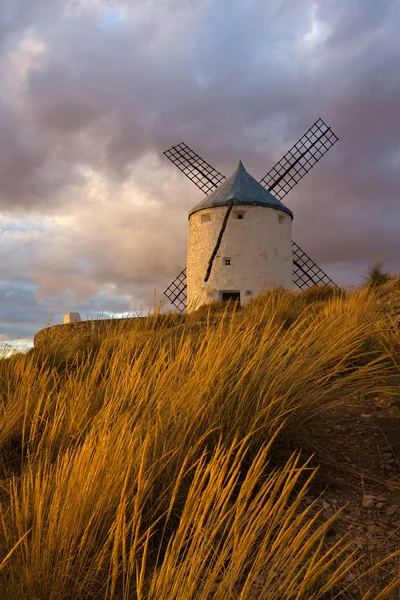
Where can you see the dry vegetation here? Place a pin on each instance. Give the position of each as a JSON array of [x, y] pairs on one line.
[[171, 462]]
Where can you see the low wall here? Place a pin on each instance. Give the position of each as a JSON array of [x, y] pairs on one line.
[[96, 326], [85, 327]]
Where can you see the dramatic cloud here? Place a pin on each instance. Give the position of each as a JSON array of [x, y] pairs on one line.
[[93, 217]]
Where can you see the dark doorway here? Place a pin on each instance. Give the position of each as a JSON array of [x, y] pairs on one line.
[[230, 296]]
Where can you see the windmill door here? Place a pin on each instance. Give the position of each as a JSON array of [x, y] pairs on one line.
[[231, 296]]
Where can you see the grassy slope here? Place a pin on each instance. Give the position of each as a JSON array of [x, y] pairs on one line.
[[164, 463]]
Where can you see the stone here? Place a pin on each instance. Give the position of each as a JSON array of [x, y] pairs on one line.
[[380, 505], [387, 456], [360, 529], [368, 501], [392, 510]]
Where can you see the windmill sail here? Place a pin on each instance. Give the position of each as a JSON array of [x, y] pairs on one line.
[[300, 159], [306, 272], [195, 168], [176, 291], [292, 167]]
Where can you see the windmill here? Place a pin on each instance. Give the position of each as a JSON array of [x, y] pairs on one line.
[[291, 168]]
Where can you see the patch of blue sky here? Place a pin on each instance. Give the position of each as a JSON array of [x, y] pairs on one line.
[[21, 225], [19, 287], [111, 17], [8, 348]]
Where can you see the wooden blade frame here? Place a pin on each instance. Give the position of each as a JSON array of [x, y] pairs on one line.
[[176, 291], [219, 240], [300, 159], [306, 272], [195, 168]]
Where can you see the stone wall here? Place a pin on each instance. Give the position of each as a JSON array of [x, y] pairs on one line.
[[85, 327], [62, 332]]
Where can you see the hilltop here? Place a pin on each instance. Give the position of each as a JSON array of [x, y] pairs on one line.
[[221, 454]]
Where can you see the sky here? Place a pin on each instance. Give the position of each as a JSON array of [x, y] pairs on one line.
[[93, 217]]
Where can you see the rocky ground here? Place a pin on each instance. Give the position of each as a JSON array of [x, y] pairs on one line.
[[360, 472]]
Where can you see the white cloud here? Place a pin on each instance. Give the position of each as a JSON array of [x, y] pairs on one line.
[[318, 31]]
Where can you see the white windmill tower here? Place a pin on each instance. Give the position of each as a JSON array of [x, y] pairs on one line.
[[254, 249]]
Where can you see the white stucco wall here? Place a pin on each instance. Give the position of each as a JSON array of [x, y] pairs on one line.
[[259, 246]]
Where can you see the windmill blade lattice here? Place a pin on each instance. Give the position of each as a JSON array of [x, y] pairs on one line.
[[195, 168], [306, 272], [176, 291], [300, 159]]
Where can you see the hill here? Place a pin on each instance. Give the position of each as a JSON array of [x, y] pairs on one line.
[[233, 453]]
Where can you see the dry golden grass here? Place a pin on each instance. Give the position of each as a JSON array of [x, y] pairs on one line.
[[148, 464]]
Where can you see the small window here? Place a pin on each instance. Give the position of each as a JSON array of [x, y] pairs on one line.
[[248, 293], [205, 218], [227, 262], [240, 215], [281, 218]]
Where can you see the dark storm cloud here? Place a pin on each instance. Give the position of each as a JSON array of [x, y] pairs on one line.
[[92, 98], [106, 97], [31, 174]]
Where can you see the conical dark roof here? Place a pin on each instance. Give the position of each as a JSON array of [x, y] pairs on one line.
[[243, 189]]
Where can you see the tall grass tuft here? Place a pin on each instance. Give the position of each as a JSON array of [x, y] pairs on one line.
[[376, 275]]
